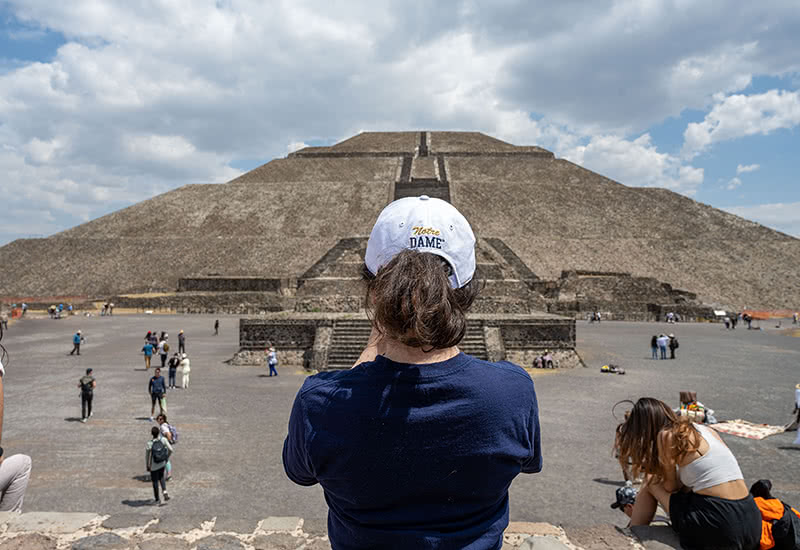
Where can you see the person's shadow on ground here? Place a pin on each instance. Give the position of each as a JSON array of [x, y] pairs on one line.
[[790, 448], [137, 503], [142, 418], [73, 419], [143, 477], [606, 481], [140, 370]]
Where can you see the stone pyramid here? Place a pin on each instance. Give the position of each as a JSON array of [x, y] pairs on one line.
[[279, 220]]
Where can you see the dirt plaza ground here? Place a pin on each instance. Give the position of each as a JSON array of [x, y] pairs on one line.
[[232, 420]]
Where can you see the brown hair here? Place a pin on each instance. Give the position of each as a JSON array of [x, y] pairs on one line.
[[411, 300], [637, 437]]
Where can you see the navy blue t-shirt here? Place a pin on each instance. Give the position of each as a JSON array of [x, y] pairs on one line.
[[415, 456]]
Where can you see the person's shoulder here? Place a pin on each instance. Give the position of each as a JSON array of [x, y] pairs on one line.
[[504, 368], [326, 381]]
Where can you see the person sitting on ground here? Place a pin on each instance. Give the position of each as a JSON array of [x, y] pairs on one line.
[[692, 474], [15, 471], [416, 445], [780, 523]]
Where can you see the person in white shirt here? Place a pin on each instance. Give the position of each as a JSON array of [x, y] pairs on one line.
[[663, 342], [185, 370], [163, 349]]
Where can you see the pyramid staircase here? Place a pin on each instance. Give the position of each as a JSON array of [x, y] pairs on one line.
[[350, 337]]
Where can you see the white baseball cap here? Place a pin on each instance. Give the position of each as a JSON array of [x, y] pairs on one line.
[[427, 225]]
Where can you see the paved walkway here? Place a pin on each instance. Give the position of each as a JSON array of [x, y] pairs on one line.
[[233, 420]]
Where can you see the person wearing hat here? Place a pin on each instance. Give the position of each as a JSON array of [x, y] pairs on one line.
[[77, 340], [87, 384], [417, 444], [181, 342], [272, 360], [626, 496], [673, 345], [185, 370]]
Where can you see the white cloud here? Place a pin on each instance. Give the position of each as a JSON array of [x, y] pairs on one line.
[[738, 115], [636, 163], [145, 97], [741, 169], [783, 216], [734, 183], [296, 146]]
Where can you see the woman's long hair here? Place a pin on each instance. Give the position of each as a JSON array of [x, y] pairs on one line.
[[412, 301], [637, 438]]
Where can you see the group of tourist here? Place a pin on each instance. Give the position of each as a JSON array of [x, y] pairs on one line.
[[660, 343], [416, 446]]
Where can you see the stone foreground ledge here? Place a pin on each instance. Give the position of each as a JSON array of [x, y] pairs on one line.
[[161, 531]]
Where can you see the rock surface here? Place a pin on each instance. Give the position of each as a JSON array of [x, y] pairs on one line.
[[132, 532]]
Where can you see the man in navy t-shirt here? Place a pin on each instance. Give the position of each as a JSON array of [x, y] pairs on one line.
[[415, 455]]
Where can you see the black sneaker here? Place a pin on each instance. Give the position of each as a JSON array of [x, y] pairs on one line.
[[155, 502], [166, 496]]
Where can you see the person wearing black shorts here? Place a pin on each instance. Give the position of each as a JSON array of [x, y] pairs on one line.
[[693, 475], [87, 384]]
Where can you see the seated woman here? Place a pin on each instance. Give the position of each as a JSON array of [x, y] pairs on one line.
[[692, 474]]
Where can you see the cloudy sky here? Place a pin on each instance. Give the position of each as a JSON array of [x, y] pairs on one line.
[[106, 103]]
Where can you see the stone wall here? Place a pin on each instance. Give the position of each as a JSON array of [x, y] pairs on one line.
[[234, 284], [237, 303], [306, 340], [526, 335], [283, 334]]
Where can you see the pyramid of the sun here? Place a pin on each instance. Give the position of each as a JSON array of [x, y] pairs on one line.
[[281, 218]]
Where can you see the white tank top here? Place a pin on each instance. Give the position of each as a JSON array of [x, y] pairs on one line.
[[717, 466]]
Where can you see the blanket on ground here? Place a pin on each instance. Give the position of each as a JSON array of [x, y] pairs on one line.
[[743, 428]]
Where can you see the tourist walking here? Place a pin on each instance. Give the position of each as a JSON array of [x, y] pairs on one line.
[[171, 435], [181, 342], [272, 361], [216, 327], [156, 455], [654, 346], [77, 340], [692, 474], [157, 390], [4, 320], [163, 350], [663, 341], [174, 361], [147, 349], [87, 384], [673, 345], [186, 369], [433, 436]]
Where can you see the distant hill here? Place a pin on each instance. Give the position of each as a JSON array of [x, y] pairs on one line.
[[281, 218]]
